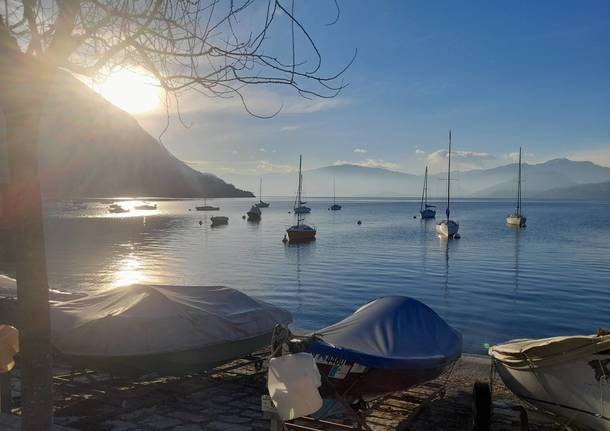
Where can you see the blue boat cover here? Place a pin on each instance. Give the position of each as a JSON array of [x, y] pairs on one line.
[[391, 332]]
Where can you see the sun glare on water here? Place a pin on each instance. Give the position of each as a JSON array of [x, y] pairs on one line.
[[133, 91]]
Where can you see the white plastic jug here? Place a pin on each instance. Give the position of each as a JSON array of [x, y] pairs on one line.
[[293, 383]]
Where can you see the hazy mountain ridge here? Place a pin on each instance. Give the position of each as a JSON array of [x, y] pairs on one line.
[[354, 180], [90, 148], [581, 191]]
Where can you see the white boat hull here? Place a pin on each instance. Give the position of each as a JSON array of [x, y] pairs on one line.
[[575, 388], [516, 220], [447, 228]]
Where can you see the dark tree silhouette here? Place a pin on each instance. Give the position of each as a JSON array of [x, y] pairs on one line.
[[216, 47]]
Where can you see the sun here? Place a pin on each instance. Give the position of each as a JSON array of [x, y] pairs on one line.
[[134, 91]]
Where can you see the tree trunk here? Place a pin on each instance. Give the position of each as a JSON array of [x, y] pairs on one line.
[[23, 88]]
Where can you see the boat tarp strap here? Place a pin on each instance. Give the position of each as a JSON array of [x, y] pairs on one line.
[[148, 319], [548, 351], [391, 332]]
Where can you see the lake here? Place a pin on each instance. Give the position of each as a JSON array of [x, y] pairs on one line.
[[493, 284]]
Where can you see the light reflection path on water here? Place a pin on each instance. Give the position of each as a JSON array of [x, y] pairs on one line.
[[493, 284]]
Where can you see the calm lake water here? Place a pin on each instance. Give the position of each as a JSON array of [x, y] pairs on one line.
[[493, 284]]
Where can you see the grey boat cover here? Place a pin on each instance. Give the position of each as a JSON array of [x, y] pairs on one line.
[[148, 319], [526, 353]]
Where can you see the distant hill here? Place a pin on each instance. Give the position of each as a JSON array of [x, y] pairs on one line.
[[90, 148], [354, 180], [600, 191]]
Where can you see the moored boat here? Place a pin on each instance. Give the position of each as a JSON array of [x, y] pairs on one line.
[[219, 220], [254, 214], [117, 209], [300, 232], [299, 205], [387, 345], [165, 329], [335, 206], [146, 207], [261, 203], [206, 207], [517, 218], [567, 376], [448, 228], [426, 211]]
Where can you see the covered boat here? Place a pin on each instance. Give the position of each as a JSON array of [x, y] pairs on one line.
[[387, 345], [166, 329], [568, 376]]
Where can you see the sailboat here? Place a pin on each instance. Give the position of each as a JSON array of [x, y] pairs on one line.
[[300, 232], [426, 210], [299, 205], [448, 228], [517, 218], [335, 206], [260, 203], [206, 207]]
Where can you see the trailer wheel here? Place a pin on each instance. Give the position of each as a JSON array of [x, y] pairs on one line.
[[481, 406]]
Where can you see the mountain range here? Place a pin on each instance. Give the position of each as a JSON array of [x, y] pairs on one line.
[[557, 178], [90, 148]]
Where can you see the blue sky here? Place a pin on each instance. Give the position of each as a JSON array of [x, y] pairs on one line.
[[500, 74]]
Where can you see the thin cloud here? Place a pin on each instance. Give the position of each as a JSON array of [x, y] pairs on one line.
[[370, 163], [262, 150], [360, 150], [289, 128], [461, 159], [514, 156], [274, 168], [419, 152]]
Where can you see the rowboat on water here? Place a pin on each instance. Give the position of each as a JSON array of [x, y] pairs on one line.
[[219, 220]]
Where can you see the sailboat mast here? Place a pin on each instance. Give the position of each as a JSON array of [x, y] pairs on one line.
[[260, 190], [519, 186], [299, 191], [424, 193], [449, 178], [334, 192], [300, 179]]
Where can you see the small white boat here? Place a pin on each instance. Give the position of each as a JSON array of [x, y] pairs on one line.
[[517, 218], [426, 211], [146, 207], [448, 228], [219, 220], [567, 376]]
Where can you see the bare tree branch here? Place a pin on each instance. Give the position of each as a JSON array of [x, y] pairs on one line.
[[216, 46]]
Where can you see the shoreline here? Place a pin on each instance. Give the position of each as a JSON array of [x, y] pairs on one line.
[[229, 398]]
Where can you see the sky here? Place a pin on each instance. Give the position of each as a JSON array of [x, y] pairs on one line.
[[499, 74]]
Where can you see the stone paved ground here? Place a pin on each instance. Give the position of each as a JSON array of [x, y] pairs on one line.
[[229, 399]]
